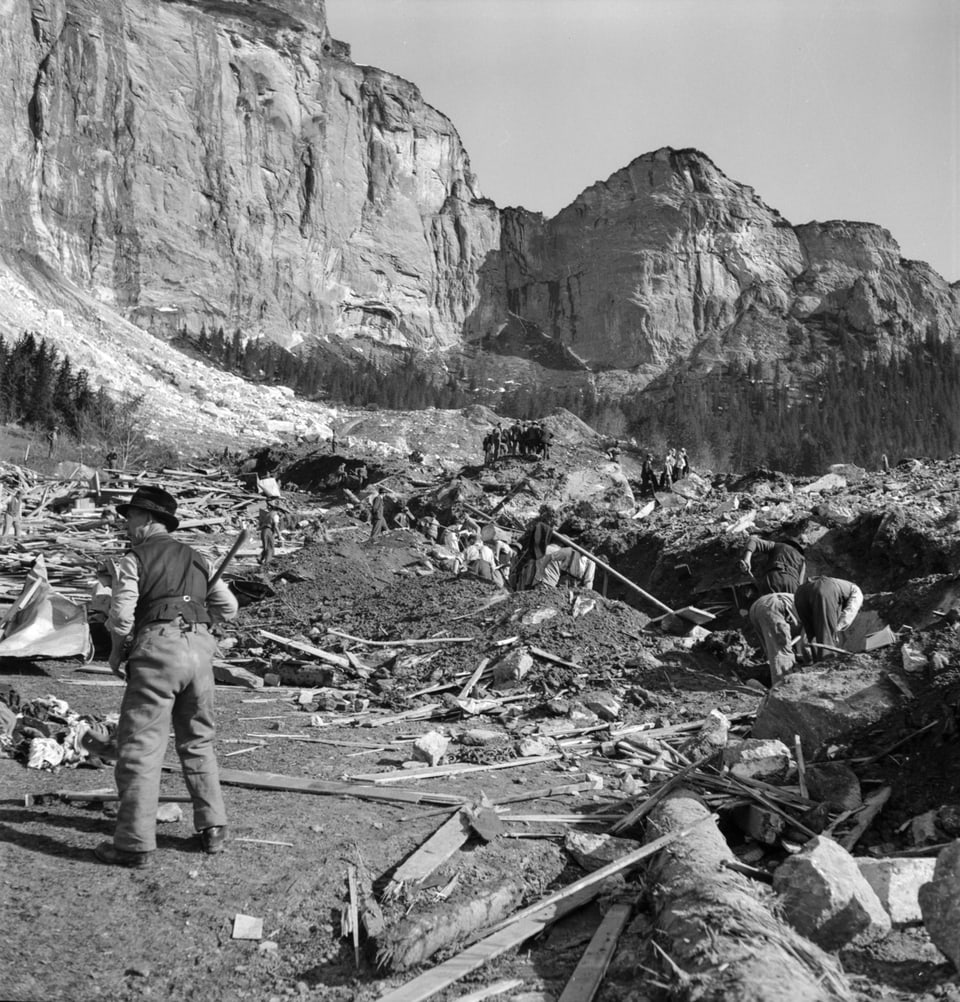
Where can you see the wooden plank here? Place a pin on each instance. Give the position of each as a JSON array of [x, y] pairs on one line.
[[497, 988], [321, 655], [871, 808], [474, 678], [303, 784], [441, 845], [589, 972], [402, 643], [450, 770], [538, 652]]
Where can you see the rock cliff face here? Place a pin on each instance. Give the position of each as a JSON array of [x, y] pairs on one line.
[[670, 260], [223, 162]]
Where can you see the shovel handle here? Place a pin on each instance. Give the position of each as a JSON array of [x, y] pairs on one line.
[[606, 567], [231, 553]]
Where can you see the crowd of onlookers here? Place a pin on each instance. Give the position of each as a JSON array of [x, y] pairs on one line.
[[522, 438]]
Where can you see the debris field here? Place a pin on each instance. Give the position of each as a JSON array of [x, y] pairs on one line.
[[439, 788]]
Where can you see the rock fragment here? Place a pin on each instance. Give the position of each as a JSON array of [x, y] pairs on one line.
[[940, 904], [897, 882], [827, 899], [755, 758]]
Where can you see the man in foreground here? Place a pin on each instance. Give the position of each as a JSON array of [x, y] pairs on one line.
[[774, 616], [162, 605]]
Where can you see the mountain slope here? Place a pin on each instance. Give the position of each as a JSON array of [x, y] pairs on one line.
[[223, 163]]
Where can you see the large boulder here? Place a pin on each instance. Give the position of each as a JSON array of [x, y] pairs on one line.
[[826, 898], [825, 707], [604, 487], [940, 903]]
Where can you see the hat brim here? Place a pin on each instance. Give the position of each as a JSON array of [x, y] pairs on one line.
[[170, 521]]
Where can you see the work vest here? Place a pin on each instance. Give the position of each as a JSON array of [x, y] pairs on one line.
[[786, 557], [173, 582], [265, 519]]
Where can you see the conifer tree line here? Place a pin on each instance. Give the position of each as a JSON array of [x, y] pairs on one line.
[[736, 418], [40, 389], [317, 375]]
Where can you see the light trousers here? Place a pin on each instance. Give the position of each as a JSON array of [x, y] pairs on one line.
[[170, 681]]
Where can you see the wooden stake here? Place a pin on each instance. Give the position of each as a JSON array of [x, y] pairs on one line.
[[871, 808], [354, 912], [801, 767]]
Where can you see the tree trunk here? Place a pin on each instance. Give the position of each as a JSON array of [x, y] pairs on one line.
[[716, 925]]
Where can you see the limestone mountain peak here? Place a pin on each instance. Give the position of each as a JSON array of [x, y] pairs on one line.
[[224, 164]]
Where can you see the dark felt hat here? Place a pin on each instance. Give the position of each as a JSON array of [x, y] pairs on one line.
[[155, 500]]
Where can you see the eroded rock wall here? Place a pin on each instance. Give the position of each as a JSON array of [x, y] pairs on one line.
[[226, 163], [669, 259], [223, 162]]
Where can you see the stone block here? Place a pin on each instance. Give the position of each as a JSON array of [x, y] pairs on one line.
[[940, 904], [896, 882], [605, 705], [825, 707], [431, 747], [828, 482], [826, 898], [882, 638], [755, 758], [511, 668], [591, 851], [834, 784]]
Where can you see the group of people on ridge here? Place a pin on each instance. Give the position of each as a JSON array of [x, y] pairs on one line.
[[792, 608], [522, 438], [675, 467]]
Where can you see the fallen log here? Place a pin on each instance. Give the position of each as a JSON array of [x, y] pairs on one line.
[[722, 939], [416, 938]]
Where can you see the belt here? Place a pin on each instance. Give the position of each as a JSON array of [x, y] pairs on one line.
[[185, 627]]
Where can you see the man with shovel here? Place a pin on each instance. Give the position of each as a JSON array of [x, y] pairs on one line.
[[826, 607], [164, 599]]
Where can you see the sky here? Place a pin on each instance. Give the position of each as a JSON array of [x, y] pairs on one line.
[[829, 109]]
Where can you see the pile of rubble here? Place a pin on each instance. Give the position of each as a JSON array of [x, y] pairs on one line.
[[762, 796]]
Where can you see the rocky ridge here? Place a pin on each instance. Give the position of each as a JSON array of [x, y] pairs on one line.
[[228, 165]]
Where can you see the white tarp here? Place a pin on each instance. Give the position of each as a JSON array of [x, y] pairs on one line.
[[43, 624]]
